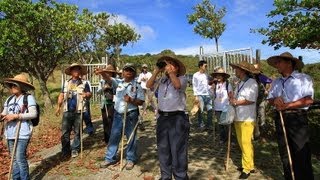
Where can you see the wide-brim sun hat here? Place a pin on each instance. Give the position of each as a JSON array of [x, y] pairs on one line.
[[21, 80], [110, 68], [272, 61], [257, 69], [83, 70], [220, 71], [182, 68], [144, 66], [244, 65]]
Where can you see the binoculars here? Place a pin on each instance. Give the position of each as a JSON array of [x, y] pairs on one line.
[[161, 64]]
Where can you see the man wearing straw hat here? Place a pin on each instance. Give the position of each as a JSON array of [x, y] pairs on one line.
[[129, 95], [108, 90], [173, 122], [18, 125], [291, 95], [72, 96], [245, 97]]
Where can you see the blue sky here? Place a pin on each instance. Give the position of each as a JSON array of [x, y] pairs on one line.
[[163, 25]]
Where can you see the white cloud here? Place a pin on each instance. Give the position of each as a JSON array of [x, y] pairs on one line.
[[244, 7], [145, 31], [163, 3]]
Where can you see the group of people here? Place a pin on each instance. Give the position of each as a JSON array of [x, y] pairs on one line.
[[290, 95]]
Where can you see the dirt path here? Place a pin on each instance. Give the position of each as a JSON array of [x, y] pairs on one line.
[[206, 159]]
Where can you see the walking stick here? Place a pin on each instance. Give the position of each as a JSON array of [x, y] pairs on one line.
[[122, 135], [81, 128], [132, 133], [287, 145], [228, 149], [14, 149]]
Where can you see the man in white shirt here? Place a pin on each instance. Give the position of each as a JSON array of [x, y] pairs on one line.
[[144, 76], [201, 93]]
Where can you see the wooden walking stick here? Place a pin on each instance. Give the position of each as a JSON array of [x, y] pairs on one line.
[[122, 134], [132, 133], [81, 128], [287, 144], [228, 148], [14, 149]]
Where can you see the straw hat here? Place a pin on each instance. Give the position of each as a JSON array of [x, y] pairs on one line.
[[21, 80], [109, 68], [257, 69], [182, 68], [82, 69], [287, 56], [144, 66], [220, 71], [244, 65]]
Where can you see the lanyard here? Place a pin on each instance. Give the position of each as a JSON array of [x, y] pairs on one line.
[[283, 90], [242, 86]]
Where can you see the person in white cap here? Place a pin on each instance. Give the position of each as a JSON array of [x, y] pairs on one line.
[[143, 77]]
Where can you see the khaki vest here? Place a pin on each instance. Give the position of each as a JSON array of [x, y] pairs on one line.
[[80, 100]]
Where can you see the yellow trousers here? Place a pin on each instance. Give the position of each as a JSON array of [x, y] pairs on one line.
[[244, 132]]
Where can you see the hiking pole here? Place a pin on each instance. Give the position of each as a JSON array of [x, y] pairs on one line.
[[122, 134], [81, 126], [287, 144], [14, 148], [228, 148], [132, 133]]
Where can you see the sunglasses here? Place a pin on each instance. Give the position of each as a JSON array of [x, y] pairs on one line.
[[12, 85]]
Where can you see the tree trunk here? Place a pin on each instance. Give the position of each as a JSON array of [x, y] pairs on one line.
[[45, 93], [217, 45]]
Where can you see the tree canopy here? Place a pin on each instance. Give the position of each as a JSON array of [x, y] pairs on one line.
[[208, 21], [297, 25]]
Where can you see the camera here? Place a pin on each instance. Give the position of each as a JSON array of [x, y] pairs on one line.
[[161, 64]]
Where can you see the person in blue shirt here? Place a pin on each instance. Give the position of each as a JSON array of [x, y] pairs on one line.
[[291, 95], [74, 92], [16, 116], [128, 92]]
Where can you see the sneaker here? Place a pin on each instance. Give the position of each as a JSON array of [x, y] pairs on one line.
[[129, 166], [74, 154], [244, 175], [106, 164], [241, 169]]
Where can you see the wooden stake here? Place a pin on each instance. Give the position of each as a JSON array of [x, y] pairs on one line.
[[122, 135], [228, 148]]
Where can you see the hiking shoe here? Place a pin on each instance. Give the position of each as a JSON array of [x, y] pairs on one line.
[[74, 154], [244, 175], [129, 166], [106, 164], [241, 169]]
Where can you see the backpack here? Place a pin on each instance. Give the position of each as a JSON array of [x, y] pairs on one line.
[[34, 121]]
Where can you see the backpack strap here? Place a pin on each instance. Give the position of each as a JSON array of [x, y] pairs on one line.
[[9, 99], [25, 103]]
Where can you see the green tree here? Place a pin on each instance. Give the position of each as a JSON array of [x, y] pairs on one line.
[[36, 37], [297, 25], [208, 21], [119, 35]]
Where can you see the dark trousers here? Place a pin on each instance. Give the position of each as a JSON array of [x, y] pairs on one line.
[[70, 120], [172, 142], [297, 131], [107, 118]]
